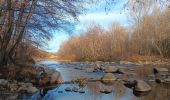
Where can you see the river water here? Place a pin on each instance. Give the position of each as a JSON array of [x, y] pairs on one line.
[[70, 71]]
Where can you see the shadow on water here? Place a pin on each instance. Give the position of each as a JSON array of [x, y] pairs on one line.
[[99, 91]]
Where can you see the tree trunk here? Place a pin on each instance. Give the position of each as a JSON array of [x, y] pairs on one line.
[[159, 50], [3, 60]]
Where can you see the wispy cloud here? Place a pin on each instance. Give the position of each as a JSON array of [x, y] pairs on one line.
[[100, 16], [103, 18]]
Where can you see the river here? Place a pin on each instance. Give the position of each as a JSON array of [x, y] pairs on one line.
[[70, 71]]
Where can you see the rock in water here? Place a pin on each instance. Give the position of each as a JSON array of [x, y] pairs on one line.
[[67, 89], [110, 69], [108, 78], [104, 88], [75, 89], [130, 83], [47, 75], [121, 71], [81, 91], [160, 70], [142, 86], [97, 66], [54, 75], [89, 69], [60, 91]]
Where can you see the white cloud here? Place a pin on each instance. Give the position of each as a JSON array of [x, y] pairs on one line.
[[102, 18], [98, 16]]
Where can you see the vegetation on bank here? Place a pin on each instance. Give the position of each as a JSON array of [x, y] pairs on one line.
[[149, 36]]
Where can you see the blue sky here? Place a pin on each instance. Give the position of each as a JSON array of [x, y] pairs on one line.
[[96, 14]]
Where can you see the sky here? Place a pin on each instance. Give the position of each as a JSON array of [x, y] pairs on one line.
[[96, 14]]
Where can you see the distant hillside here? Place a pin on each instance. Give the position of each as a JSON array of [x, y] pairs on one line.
[[39, 55]]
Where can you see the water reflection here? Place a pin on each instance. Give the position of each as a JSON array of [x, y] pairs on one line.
[[99, 91], [159, 92]]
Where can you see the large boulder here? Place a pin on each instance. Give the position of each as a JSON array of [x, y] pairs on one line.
[[108, 78], [46, 76], [54, 76], [110, 69], [142, 86], [157, 70]]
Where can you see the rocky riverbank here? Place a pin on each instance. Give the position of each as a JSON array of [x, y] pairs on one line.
[[29, 82], [33, 79]]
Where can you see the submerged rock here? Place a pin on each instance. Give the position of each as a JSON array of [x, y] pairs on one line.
[[162, 77], [167, 80], [157, 70], [108, 78], [81, 91], [142, 86], [60, 91], [110, 69], [162, 80]]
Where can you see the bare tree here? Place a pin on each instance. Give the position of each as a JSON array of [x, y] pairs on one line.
[[33, 21]]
